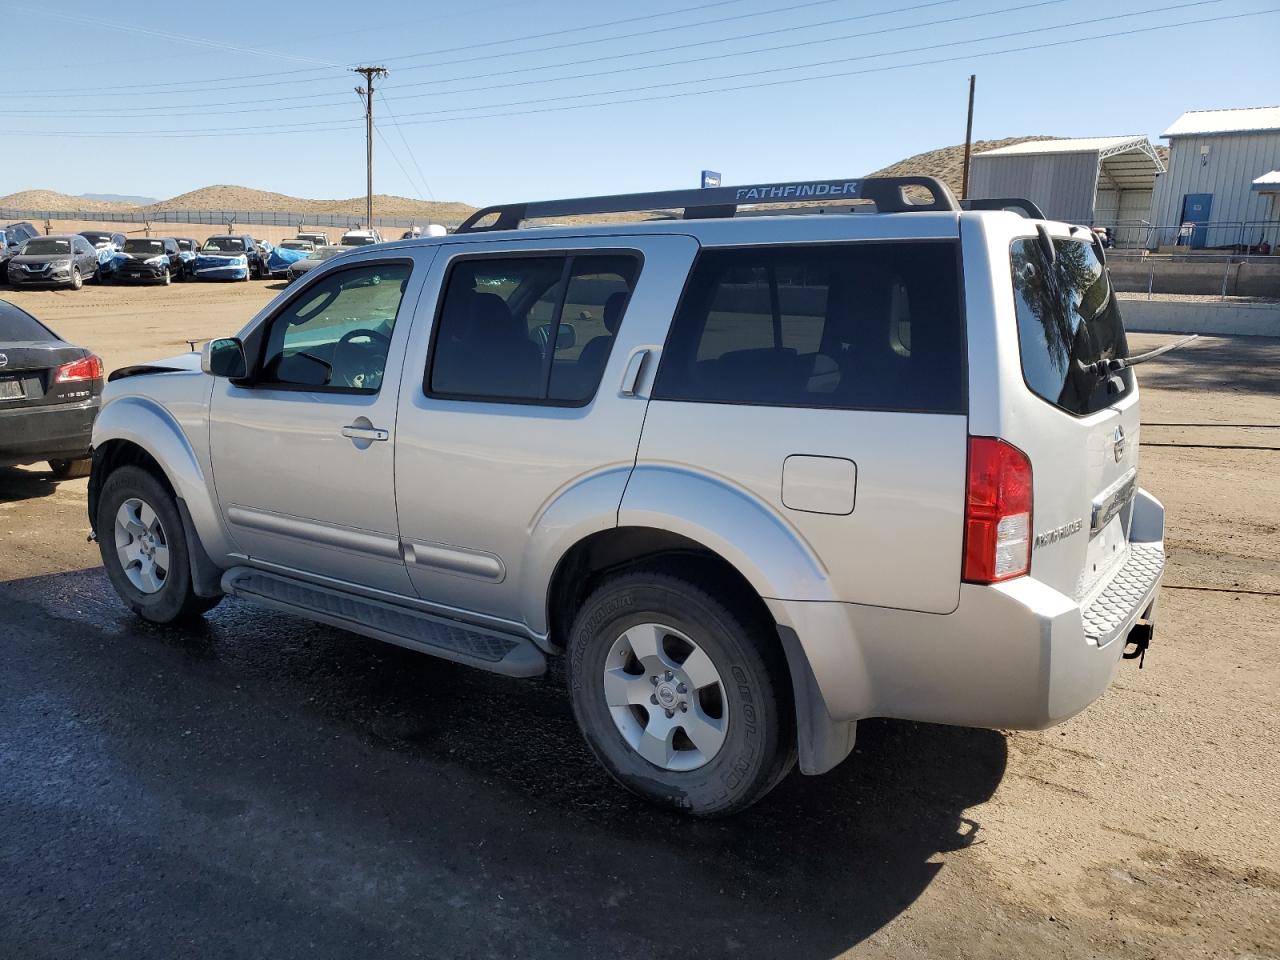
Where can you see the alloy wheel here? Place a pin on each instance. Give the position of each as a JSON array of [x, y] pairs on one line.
[[142, 546]]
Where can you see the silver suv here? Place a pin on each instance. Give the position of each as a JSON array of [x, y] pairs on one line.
[[753, 477]]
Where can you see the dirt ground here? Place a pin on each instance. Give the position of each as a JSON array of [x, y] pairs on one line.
[[1146, 827]]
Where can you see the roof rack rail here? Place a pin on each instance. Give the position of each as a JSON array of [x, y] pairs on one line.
[[712, 202], [1013, 204]]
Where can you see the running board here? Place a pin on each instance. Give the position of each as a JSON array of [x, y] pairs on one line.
[[439, 636]]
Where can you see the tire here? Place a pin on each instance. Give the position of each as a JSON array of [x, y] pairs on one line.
[[70, 469], [748, 707], [168, 597], [77, 281]]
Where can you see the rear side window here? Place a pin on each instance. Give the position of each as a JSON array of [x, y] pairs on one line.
[[859, 326], [529, 329], [1067, 317], [18, 326]]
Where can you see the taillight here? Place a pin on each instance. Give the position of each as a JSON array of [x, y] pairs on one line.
[[90, 368], [997, 514]]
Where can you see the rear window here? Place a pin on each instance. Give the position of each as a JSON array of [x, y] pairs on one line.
[[17, 326], [1067, 316], [858, 326]]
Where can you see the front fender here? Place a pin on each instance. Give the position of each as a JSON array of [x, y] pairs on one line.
[[726, 519], [146, 423]]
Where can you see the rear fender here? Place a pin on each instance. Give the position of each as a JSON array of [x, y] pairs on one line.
[[147, 424]]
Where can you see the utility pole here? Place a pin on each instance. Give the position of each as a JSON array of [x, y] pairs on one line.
[[369, 74], [968, 140]]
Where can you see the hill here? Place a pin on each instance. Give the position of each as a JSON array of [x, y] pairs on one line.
[[118, 198], [52, 200], [230, 197]]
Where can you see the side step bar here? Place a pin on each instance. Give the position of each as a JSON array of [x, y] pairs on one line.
[[439, 636]]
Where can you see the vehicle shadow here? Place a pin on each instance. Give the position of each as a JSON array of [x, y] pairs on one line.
[[438, 787], [18, 484], [1242, 364]]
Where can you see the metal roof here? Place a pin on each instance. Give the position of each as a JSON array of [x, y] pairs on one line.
[[1268, 182], [1101, 145], [1236, 120]]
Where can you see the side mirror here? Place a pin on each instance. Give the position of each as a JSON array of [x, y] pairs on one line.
[[224, 358]]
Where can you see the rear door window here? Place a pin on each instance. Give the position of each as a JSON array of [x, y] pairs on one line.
[[857, 326], [18, 326], [1068, 317]]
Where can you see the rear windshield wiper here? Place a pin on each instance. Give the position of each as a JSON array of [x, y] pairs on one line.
[[1104, 368]]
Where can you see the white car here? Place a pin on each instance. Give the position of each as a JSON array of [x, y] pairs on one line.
[[751, 479], [360, 238]]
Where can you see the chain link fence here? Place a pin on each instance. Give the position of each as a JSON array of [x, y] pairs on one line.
[[247, 218]]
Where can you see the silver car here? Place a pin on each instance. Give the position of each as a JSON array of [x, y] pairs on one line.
[[754, 478]]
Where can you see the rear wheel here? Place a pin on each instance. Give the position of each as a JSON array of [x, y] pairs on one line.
[[144, 548], [683, 700], [70, 469]]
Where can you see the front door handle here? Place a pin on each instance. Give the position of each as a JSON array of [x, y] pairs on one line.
[[355, 432]]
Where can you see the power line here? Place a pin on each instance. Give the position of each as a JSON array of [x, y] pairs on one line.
[[97, 112], [412, 156], [273, 130], [265, 77]]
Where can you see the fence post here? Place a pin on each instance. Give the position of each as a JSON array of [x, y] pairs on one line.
[[1225, 274], [1151, 280]]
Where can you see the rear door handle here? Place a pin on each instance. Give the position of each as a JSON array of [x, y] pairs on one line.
[[365, 433], [631, 376]]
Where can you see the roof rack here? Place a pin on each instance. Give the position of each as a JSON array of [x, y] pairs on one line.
[[888, 194], [1013, 204]]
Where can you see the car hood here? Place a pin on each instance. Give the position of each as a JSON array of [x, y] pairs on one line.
[[182, 363], [221, 254], [40, 257]]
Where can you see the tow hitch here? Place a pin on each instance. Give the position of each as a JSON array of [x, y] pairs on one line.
[[1136, 643]]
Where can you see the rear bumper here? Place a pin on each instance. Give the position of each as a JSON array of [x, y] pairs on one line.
[[1017, 655], [55, 432]]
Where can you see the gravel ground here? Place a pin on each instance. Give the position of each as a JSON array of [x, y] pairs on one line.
[[261, 786]]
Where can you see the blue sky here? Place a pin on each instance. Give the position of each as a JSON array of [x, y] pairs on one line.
[[108, 98]]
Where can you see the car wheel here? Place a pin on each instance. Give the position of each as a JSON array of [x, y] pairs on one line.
[[77, 281], [144, 548], [684, 701], [70, 469]]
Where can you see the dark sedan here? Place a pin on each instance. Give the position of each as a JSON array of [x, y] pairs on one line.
[[151, 260], [60, 261], [50, 391]]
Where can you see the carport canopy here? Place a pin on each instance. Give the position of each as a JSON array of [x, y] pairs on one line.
[[1124, 163]]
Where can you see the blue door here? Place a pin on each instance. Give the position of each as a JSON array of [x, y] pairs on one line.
[[1195, 209]]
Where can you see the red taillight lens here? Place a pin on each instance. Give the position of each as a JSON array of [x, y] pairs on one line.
[[90, 368], [997, 515]]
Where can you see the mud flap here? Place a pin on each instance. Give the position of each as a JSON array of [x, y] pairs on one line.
[[206, 576], [822, 742]]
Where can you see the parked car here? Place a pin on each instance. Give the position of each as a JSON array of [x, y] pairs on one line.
[[296, 245], [151, 260], [319, 239], [265, 250], [49, 394], [753, 478], [360, 238], [108, 244], [314, 259], [188, 249], [65, 260], [12, 237], [229, 257]]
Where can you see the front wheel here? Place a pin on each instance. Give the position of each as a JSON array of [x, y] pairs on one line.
[[77, 281], [144, 548], [684, 701]]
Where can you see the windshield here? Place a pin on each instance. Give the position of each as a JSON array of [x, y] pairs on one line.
[[144, 246], [223, 245], [1067, 317], [96, 238], [186, 244], [356, 240], [44, 246]]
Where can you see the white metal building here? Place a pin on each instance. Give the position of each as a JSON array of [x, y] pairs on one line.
[[1219, 165], [1084, 180]]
